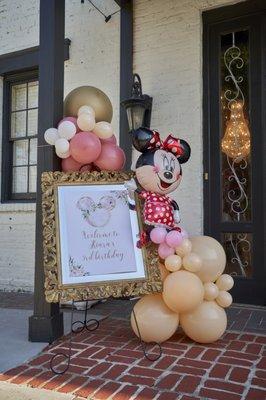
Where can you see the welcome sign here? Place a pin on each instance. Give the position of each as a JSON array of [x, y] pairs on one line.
[[97, 229]]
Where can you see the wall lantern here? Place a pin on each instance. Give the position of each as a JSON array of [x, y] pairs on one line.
[[138, 106]]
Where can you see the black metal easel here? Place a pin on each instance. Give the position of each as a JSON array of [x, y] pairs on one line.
[[91, 325]]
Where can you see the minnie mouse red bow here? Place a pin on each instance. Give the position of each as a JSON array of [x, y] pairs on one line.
[[171, 144]]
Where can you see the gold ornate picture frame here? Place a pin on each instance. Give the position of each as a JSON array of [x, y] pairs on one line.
[[89, 238]]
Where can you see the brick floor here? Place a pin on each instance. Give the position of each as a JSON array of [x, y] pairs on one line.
[[109, 364], [241, 317]]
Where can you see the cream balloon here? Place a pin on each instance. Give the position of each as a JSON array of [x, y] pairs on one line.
[[89, 96], [86, 110], [182, 291], [184, 248], [164, 271], [192, 262], [206, 323], [62, 155], [224, 299], [212, 255], [173, 262], [225, 282], [86, 122], [62, 146], [156, 321], [67, 130], [211, 291], [51, 135], [103, 130]]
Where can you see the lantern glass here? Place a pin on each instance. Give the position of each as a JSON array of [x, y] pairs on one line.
[[135, 116]]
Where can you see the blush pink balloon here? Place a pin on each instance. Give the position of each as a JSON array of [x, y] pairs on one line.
[[85, 168], [111, 139], [173, 239], [164, 251], [158, 235], [70, 165], [184, 233], [112, 158], [85, 147], [71, 119]]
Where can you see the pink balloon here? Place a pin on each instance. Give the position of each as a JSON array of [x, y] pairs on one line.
[[184, 233], [164, 250], [70, 165], [85, 168], [173, 239], [71, 119], [85, 147], [112, 158], [158, 235], [111, 139]]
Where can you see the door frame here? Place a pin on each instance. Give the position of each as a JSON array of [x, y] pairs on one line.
[[245, 290]]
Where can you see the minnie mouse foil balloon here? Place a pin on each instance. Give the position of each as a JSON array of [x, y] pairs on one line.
[[158, 173]]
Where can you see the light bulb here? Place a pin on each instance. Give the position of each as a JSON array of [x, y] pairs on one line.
[[236, 140]]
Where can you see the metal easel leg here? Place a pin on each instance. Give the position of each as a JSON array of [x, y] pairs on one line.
[[144, 345], [90, 325]]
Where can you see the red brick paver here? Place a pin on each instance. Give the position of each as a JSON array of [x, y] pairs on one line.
[[109, 364]]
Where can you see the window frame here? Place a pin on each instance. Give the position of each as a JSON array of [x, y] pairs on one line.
[[7, 146]]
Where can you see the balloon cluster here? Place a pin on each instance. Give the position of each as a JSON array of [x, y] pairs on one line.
[[167, 240], [194, 293], [85, 144]]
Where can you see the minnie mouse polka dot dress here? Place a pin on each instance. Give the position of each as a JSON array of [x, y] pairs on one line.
[[158, 210]]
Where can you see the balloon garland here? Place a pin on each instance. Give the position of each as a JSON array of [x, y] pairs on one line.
[[84, 144], [195, 290]]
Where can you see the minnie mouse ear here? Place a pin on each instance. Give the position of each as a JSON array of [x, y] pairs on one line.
[[85, 203], [186, 152], [141, 138]]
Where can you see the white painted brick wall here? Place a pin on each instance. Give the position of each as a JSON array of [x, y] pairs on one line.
[[167, 55]]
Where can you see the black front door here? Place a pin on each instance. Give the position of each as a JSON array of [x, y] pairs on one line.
[[234, 58]]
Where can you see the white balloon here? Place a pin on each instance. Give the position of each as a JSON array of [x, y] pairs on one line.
[[62, 155], [86, 122], [51, 135], [61, 146], [86, 110], [67, 130]]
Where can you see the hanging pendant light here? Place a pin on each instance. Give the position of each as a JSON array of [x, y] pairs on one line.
[[236, 141]]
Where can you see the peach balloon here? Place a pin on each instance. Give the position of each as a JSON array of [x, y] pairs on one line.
[[206, 323], [192, 262], [86, 122], [86, 110], [225, 282], [111, 158], [211, 291], [184, 248], [103, 130], [182, 291], [173, 262], [212, 255], [224, 299], [164, 272], [70, 165], [155, 321]]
